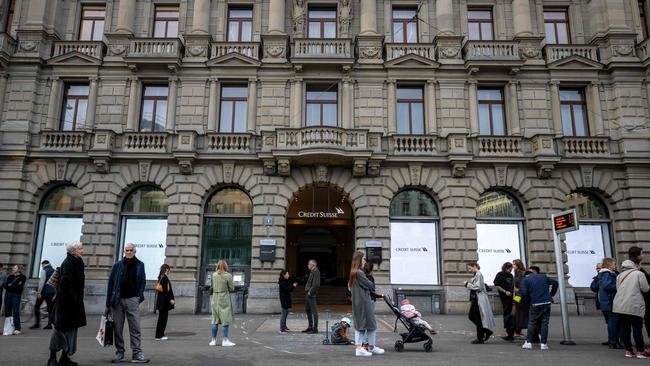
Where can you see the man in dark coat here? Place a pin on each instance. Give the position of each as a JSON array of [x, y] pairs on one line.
[[69, 311], [311, 290]]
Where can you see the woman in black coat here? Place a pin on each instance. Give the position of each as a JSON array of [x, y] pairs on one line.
[[285, 298], [69, 311], [504, 283], [165, 301]]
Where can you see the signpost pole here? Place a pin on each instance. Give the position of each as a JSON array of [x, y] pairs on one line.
[[563, 301]]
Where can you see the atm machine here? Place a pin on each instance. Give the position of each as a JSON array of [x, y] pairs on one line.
[[241, 280]]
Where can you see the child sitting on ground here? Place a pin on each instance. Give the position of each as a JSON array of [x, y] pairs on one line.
[[410, 312], [340, 331]]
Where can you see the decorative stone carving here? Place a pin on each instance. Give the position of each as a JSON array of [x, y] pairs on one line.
[[61, 167], [117, 49], [458, 169], [530, 52], [298, 18], [228, 170], [370, 49], [28, 46], [284, 167], [269, 167], [415, 170], [370, 52], [185, 166], [374, 168], [448, 52], [359, 168], [501, 172], [623, 49], [321, 174], [101, 166], [197, 51], [344, 17], [544, 170], [587, 172], [145, 167]]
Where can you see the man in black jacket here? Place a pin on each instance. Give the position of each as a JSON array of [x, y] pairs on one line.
[[636, 255], [311, 290]]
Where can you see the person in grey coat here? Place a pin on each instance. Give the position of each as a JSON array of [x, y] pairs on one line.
[[363, 310], [311, 290], [480, 311]]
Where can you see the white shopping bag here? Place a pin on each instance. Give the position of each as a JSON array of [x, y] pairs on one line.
[[101, 332], [9, 326]]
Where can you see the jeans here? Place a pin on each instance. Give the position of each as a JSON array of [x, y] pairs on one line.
[[312, 311], [49, 300], [12, 307], [215, 328], [636, 324], [129, 309], [365, 336], [163, 314], [612, 327], [538, 318], [283, 319]]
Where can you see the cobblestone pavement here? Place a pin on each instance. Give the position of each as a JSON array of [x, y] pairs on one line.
[[259, 343]]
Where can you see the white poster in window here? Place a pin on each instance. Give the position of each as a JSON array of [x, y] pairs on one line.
[[497, 244], [58, 232], [150, 239], [584, 248], [413, 253]]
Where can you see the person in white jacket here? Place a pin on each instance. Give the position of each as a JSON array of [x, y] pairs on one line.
[[630, 307]]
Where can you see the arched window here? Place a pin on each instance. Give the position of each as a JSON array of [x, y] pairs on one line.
[[227, 228], [591, 242], [144, 223], [499, 232], [414, 256], [59, 222]]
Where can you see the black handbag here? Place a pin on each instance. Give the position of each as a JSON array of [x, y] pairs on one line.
[[109, 331], [473, 296]]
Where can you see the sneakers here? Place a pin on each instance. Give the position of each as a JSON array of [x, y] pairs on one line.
[[362, 352], [16, 332], [527, 345], [642, 354], [543, 346], [139, 358], [629, 354], [213, 342], [119, 357], [163, 338], [227, 343], [377, 351], [284, 331]]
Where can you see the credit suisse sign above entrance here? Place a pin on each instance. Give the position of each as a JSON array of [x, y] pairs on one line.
[[321, 214], [320, 203]]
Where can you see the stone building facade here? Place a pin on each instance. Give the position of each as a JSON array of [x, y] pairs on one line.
[[474, 112]]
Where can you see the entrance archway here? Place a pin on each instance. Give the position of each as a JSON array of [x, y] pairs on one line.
[[320, 226]]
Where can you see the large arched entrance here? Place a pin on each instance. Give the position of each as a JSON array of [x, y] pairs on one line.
[[320, 226]]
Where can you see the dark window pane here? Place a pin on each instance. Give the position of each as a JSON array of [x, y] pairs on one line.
[[413, 203], [229, 201], [498, 204], [146, 200], [586, 205], [63, 199], [227, 238]]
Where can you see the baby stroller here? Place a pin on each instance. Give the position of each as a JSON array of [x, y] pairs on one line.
[[414, 333]]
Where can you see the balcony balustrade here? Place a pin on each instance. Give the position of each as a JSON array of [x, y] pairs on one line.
[[155, 48], [586, 146], [324, 137], [7, 44], [249, 49], [500, 146], [643, 50], [319, 50], [230, 143], [397, 50], [491, 51], [93, 49], [558, 52], [65, 141], [145, 142], [413, 144]]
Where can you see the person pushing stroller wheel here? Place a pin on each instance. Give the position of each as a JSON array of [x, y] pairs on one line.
[[363, 313]]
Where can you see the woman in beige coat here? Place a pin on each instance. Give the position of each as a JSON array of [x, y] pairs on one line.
[[222, 286], [630, 307]]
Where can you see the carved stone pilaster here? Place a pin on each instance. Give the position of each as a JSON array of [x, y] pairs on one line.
[[197, 47], [448, 49], [34, 43], [616, 47], [370, 49], [275, 48]]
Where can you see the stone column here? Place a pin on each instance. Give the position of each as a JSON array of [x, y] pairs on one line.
[[251, 113], [171, 105], [474, 129], [445, 16], [3, 92], [296, 116], [556, 109], [513, 109], [53, 108], [213, 105], [134, 99], [276, 17], [201, 22], [594, 110], [91, 111], [346, 104], [392, 107], [368, 17], [430, 95], [125, 16], [521, 16]]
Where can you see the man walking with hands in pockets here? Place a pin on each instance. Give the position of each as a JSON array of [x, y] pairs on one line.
[[311, 290]]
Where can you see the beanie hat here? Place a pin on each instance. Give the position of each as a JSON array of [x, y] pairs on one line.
[[406, 302]]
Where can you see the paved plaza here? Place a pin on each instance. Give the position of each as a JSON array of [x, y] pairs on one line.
[[259, 343]]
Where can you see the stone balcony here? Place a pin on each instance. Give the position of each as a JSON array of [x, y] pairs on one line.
[[322, 137], [555, 52], [64, 141], [238, 143], [493, 53], [322, 51], [502, 146], [418, 145], [397, 50], [248, 49], [155, 51], [94, 49], [585, 147], [146, 142]]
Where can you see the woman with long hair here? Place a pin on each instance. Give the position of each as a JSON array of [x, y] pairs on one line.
[[14, 291], [480, 311], [520, 305], [165, 301], [503, 282], [363, 313], [285, 289], [222, 313]]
